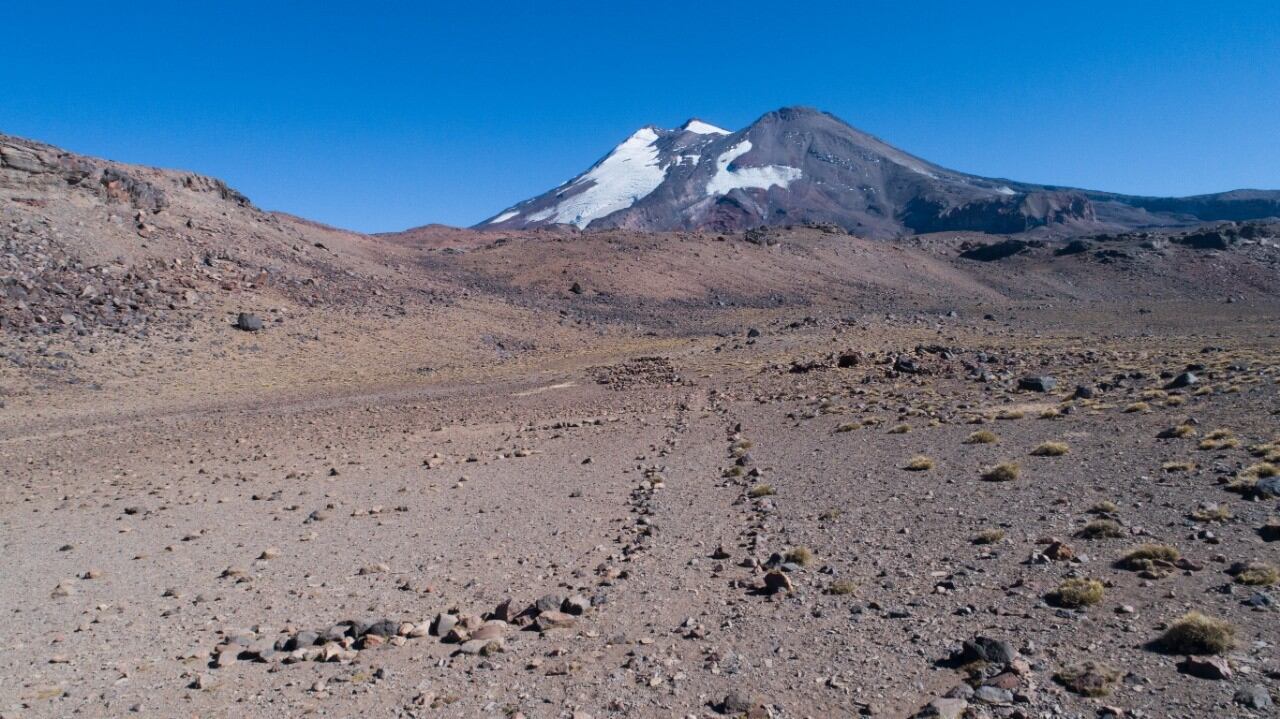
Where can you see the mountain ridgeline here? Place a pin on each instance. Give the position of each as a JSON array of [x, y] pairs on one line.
[[801, 166]]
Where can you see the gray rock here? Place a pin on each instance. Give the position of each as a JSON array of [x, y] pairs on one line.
[[1254, 696], [738, 702], [549, 603], [443, 624], [1186, 379], [248, 322], [993, 695], [994, 651], [1267, 488]]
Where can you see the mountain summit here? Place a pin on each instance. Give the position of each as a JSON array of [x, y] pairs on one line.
[[799, 165]]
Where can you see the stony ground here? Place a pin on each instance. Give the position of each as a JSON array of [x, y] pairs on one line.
[[607, 527], [255, 467]]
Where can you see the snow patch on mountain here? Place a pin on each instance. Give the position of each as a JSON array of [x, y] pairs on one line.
[[729, 178], [504, 216], [704, 128], [628, 174]]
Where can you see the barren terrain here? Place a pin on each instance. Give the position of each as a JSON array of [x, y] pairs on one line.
[[562, 474]]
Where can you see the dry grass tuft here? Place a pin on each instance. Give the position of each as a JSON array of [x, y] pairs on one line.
[[1262, 470], [831, 515], [982, 436], [1138, 407], [1102, 529], [1182, 431], [919, 463], [1178, 466], [1050, 413], [1003, 472], [761, 490], [1195, 633], [1145, 556], [900, 429], [1257, 574], [1075, 593], [842, 587], [1011, 414], [1050, 449], [799, 555], [1106, 506], [847, 427], [989, 536]]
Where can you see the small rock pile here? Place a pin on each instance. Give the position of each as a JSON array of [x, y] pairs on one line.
[[341, 642], [639, 372]]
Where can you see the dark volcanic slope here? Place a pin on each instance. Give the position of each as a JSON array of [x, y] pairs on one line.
[[799, 165]]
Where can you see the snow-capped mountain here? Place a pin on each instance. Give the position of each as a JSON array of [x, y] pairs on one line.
[[799, 165]]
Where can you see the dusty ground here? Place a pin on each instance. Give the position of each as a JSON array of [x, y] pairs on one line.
[[436, 423], [159, 486]]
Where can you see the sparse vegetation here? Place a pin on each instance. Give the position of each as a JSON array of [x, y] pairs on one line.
[[1257, 574], [1102, 529], [1262, 470], [1050, 449], [989, 536], [842, 587], [1138, 407], [1011, 414], [982, 436], [848, 427], [1177, 466], [1147, 556], [1003, 472], [1195, 633], [919, 463], [1075, 593], [761, 490], [900, 429], [1106, 506], [1050, 413], [799, 555], [830, 515], [1181, 431]]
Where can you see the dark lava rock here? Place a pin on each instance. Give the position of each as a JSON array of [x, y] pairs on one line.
[[248, 322], [1083, 391], [995, 251], [1074, 247], [986, 649], [1267, 488], [1186, 379], [1037, 384], [576, 288]]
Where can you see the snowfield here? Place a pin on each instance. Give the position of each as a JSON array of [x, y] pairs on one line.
[[728, 179], [626, 175]]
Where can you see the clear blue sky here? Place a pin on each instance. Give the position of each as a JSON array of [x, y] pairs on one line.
[[384, 115]]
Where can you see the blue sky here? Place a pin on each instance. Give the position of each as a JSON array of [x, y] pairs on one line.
[[383, 115]]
